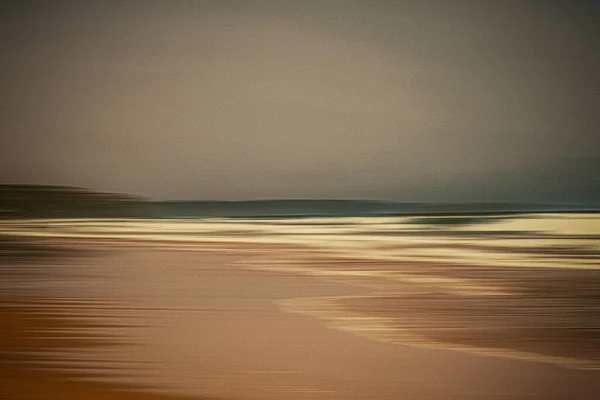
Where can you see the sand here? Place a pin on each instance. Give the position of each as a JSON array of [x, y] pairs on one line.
[[127, 320]]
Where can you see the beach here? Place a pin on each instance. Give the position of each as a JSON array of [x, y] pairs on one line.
[[297, 310]]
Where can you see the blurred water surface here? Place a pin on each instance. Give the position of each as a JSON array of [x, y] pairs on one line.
[[140, 301]]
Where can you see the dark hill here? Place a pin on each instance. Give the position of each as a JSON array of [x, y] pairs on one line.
[[42, 201]]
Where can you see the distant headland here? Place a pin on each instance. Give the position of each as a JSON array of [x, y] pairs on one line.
[[47, 201]]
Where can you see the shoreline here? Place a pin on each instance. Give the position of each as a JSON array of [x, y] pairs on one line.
[[250, 348]]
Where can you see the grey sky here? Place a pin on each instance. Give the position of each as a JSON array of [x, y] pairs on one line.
[[408, 100]]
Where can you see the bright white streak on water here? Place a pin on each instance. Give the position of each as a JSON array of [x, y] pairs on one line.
[[534, 240]]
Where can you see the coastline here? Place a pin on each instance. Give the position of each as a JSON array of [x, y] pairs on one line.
[[154, 302]]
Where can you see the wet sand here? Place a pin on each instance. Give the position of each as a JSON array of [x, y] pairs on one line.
[[137, 320]]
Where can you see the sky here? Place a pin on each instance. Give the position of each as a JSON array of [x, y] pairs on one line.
[[401, 100]]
